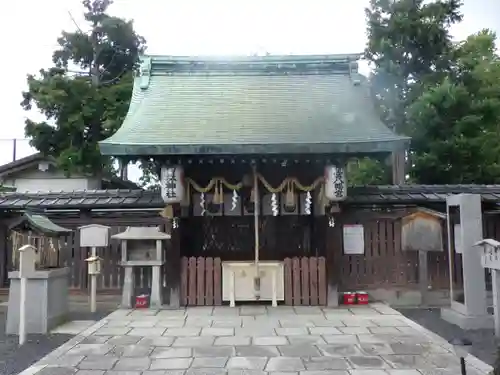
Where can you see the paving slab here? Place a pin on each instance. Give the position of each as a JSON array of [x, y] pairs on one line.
[[122, 340], [306, 339], [233, 341], [128, 364], [74, 327], [270, 340], [326, 363], [257, 351], [301, 350], [247, 363], [209, 362], [171, 363], [255, 340], [160, 352], [285, 364]]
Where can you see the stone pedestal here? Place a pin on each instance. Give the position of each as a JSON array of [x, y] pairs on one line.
[[456, 314], [155, 299], [47, 301], [333, 295]]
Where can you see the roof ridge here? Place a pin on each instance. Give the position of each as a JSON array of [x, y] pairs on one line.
[[159, 59], [270, 64]]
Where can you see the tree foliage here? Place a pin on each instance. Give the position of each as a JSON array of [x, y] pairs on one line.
[[408, 45], [445, 95], [86, 93], [456, 122], [442, 94], [367, 171]]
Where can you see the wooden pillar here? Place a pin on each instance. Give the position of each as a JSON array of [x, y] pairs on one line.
[[423, 277], [333, 257], [398, 162], [173, 265]]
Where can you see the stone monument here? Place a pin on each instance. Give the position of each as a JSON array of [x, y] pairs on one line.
[[465, 226], [46, 287]]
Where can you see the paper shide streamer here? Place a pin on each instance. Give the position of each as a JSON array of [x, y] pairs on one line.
[[274, 204]]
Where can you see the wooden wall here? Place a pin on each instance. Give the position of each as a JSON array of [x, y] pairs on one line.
[[383, 264]]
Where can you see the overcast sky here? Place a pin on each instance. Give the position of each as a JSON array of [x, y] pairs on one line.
[[192, 27]]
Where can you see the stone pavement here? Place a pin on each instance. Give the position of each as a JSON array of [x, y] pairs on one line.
[[255, 340]]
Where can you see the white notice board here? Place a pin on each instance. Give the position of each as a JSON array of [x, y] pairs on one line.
[[457, 239], [354, 239]]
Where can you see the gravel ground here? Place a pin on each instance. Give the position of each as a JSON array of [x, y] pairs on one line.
[[484, 344], [14, 359]]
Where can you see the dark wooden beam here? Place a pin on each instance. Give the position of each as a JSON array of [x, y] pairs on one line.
[[398, 167]]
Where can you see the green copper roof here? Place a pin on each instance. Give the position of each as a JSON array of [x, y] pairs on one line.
[[39, 223], [251, 105]]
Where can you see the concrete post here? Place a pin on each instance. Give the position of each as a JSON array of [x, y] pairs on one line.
[[27, 260], [495, 281]]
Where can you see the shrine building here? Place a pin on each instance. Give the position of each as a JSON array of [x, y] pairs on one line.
[[251, 154]]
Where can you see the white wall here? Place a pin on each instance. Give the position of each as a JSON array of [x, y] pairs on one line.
[[52, 180]]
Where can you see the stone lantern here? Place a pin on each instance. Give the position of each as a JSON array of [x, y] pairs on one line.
[[141, 247]]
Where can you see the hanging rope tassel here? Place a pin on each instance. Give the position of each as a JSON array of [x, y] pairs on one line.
[[167, 212], [186, 202], [322, 200], [218, 194], [290, 201]]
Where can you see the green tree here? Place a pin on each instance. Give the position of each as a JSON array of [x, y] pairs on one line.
[[408, 47], [367, 171], [85, 94], [456, 122]]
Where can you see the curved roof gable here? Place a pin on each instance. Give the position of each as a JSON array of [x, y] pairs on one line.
[[251, 105]]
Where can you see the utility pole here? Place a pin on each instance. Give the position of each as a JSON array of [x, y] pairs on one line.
[[14, 149]]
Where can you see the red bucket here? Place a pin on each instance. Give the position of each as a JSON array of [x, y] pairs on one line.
[[362, 298], [141, 302], [349, 298]]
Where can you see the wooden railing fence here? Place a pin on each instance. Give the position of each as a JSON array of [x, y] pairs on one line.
[[305, 281], [201, 281]]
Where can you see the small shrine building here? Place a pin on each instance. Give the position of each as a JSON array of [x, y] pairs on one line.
[[251, 153]]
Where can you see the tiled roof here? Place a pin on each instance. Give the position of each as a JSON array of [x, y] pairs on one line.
[[82, 199], [40, 223], [102, 199], [22, 163], [253, 105], [111, 182], [420, 193]]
